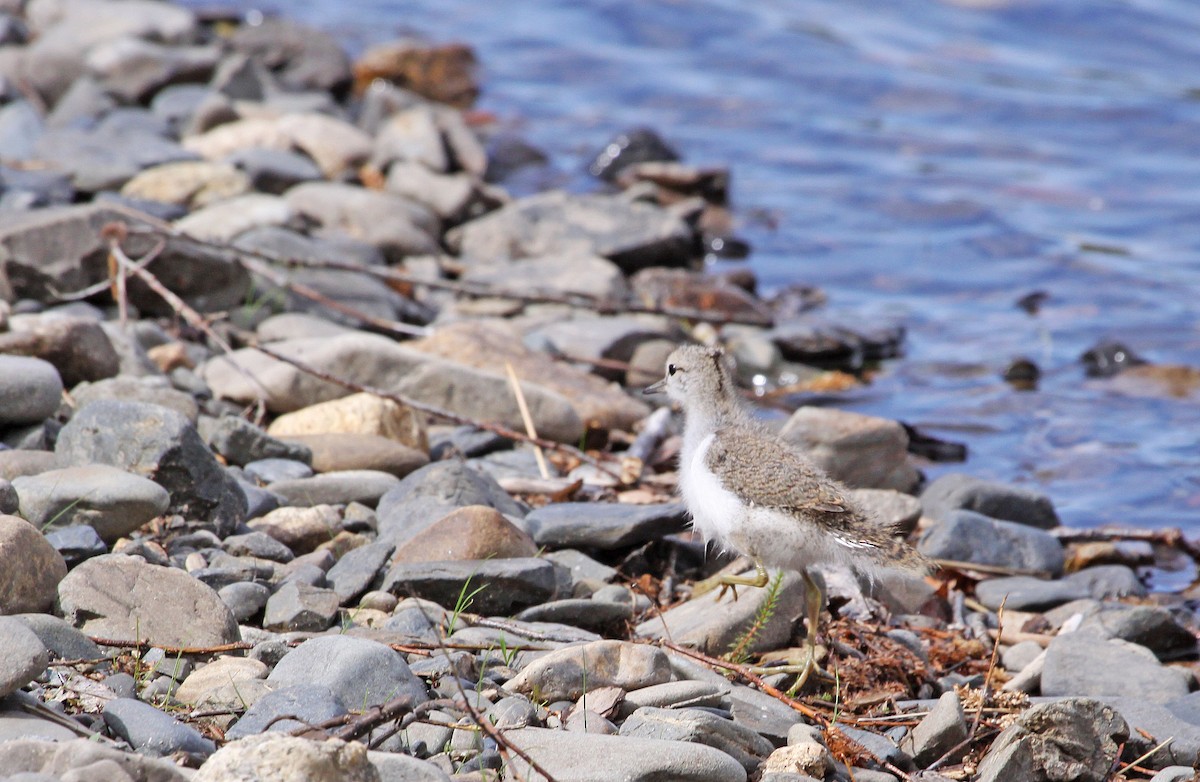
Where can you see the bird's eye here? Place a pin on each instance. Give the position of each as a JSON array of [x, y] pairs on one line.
[[670, 369]]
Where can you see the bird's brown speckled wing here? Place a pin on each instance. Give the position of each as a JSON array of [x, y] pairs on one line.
[[761, 470]]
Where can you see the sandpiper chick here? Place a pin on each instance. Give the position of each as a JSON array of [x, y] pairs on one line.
[[752, 493]]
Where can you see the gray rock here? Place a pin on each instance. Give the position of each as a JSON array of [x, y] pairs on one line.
[[1019, 655], [10, 503], [77, 347], [111, 501], [32, 568], [862, 451], [336, 488], [508, 585], [17, 462], [358, 671], [596, 615], [966, 536], [395, 767], [159, 444], [514, 711], [625, 758], [152, 390], [270, 756], [583, 568], [59, 638], [153, 732], [258, 544], [762, 713], [225, 570], [115, 596], [30, 390], [60, 759], [1160, 722], [603, 525], [428, 494], [224, 221], [632, 235], [244, 599], [312, 703], [274, 171], [1150, 626], [566, 673], [1024, 593], [678, 694], [358, 570], [556, 275], [1175, 774], [700, 727], [105, 158], [296, 606], [956, 491], [1082, 663], [1076, 738], [938, 732], [397, 226], [24, 658], [241, 442], [277, 469], [601, 338], [882, 747]]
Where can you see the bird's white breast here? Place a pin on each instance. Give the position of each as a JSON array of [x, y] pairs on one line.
[[715, 510]]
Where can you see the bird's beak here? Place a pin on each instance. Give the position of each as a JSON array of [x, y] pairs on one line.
[[657, 388]]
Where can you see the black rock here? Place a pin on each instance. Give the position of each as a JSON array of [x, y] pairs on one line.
[[77, 543], [640, 145], [1107, 358]]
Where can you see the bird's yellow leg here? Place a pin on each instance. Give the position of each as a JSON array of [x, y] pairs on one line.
[[813, 602], [759, 579]]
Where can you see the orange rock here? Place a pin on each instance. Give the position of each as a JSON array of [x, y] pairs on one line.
[[445, 73], [473, 532]]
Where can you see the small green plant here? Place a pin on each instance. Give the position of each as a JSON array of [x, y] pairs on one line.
[[507, 653], [466, 596], [739, 650]]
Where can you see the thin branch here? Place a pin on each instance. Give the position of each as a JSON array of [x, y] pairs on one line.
[[236, 646], [1173, 538], [527, 419]]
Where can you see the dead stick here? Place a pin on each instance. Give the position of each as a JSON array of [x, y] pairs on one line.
[[1173, 537], [236, 646]]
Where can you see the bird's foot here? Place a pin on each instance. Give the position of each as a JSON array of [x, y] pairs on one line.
[[803, 671], [731, 583]]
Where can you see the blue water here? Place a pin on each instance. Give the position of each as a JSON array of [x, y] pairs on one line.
[[925, 163]]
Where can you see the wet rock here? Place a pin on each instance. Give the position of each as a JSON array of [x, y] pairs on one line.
[[627, 758], [1025, 593], [700, 727], [355, 414], [1082, 662], [224, 221], [32, 568], [10, 503], [241, 442], [509, 584], [836, 346], [397, 226], [152, 732], [585, 275], [112, 501], [1077, 739], [30, 390], [639, 145], [296, 606], [24, 658], [358, 671], [938, 732], [632, 235], [966, 536], [161, 445], [117, 596], [861, 451], [712, 624], [473, 532], [335, 451], [78, 348], [956, 491], [336, 488], [270, 757], [193, 184], [152, 390], [64, 758], [1107, 359], [311, 703], [358, 570], [604, 526], [431, 492], [565, 674]]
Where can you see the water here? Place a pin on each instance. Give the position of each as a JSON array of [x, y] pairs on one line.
[[925, 163]]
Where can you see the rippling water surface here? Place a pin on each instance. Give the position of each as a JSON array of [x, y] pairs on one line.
[[925, 163]]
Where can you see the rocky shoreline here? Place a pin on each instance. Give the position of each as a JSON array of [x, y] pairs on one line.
[[324, 458]]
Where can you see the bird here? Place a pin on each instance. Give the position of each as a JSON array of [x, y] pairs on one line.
[[752, 493]]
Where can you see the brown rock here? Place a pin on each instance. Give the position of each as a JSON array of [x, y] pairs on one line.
[[488, 344], [31, 568], [78, 348], [685, 289], [300, 529], [473, 532], [332, 451], [362, 414], [444, 73], [18, 462], [862, 451]]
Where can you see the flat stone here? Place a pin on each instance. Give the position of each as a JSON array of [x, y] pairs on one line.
[[334, 451], [473, 532], [955, 491], [30, 390], [595, 615], [938, 732], [395, 767], [700, 727], [77, 543], [588, 275], [566, 673], [312, 703], [966, 536], [51, 758], [222, 682], [508, 584], [363, 414], [677, 695], [1081, 663], [603, 525], [583, 568], [24, 658], [116, 596], [223, 221], [189, 183], [153, 390], [336, 488], [1076, 739], [241, 442], [258, 544], [358, 671], [60, 639], [358, 570], [271, 756], [598, 338], [271, 470], [1024, 593], [624, 757], [153, 732], [762, 713], [161, 445], [17, 462], [32, 568], [112, 501], [300, 607], [428, 494], [1161, 722], [862, 451]]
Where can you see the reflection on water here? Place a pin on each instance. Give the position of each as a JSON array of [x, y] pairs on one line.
[[925, 163]]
